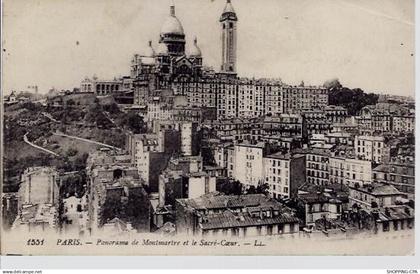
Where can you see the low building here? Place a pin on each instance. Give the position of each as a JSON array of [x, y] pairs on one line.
[[234, 216], [11, 98], [37, 218], [316, 203], [373, 196], [394, 218], [101, 87]]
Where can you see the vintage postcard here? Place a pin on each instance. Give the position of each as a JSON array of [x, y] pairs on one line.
[[208, 127]]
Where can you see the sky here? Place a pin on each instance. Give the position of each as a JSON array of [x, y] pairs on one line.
[[367, 44]]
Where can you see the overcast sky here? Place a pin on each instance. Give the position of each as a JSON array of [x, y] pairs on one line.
[[365, 43]]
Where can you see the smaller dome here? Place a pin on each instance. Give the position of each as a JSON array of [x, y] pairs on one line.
[[195, 50], [148, 60], [150, 52], [162, 49]]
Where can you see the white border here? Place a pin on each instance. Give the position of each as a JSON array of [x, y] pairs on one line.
[[235, 262]]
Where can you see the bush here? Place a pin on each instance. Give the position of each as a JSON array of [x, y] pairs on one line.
[[71, 152]]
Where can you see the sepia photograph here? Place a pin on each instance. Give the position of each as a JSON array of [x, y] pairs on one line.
[[208, 127]]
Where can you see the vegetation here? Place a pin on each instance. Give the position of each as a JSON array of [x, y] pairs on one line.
[[73, 185], [229, 187], [131, 210], [134, 123], [352, 99], [262, 188]]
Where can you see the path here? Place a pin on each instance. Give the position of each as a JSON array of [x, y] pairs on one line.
[[25, 138], [49, 116], [87, 140]]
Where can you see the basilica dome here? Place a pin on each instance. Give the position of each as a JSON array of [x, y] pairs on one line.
[[172, 25]]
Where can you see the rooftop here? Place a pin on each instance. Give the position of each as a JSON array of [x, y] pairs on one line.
[[395, 213], [284, 156], [228, 219], [378, 189], [220, 201]]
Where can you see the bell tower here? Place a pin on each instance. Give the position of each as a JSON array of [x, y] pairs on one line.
[[228, 22]]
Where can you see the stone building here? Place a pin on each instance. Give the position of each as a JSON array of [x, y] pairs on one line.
[[372, 148], [115, 190], [38, 200], [39, 186], [249, 163], [284, 173], [317, 166], [373, 195], [398, 173], [347, 169]]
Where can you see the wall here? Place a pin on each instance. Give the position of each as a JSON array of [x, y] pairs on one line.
[[197, 186]]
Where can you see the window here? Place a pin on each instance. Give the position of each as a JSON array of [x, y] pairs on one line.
[[258, 230], [385, 226], [235, 231], [269, 230], [292, 228], [395, 225]]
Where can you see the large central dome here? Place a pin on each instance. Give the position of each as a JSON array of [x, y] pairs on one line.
[[172, 25]]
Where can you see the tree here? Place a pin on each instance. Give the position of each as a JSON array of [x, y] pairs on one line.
[[229, 187], [80, 162], [72, 185], [333, 84], [135, 123], [71, 152], [251, 190], [70, 102], [112, 108], [352, 99], [112, 208], [262, 188]]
